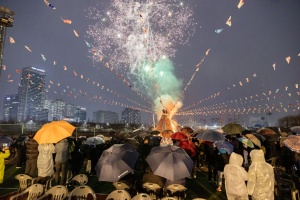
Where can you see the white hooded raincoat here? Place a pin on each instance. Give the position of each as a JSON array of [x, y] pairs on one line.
[[261, 177], [235, 176], [45, 160]]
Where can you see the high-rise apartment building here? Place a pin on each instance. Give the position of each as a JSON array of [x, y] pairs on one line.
[[31, 93], [131, 116], [101, 116], [80, 114], [11, 103], [59, 109]]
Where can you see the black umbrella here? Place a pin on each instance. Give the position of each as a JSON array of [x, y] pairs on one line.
[[211, 135], [22, 137], [5, 139], [116, 162], [170, 162]]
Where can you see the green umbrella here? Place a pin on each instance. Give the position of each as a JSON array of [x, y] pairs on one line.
[[233, 128]]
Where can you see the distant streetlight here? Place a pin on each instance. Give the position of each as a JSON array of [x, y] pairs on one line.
[[6, 20]]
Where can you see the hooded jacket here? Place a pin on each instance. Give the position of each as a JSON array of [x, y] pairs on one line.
[[45, 160], [62, 151], [235, 176], [261, 177], [32, 149]]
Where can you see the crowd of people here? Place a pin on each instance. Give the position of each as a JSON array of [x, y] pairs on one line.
[[244, 171]]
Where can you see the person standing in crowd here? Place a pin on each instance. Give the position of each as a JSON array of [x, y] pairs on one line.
[[21, 154], [61, 160], [222, 160], [211, 159], [31, 156], [235, 176], [45, 162], [4, 153], [260, 177], [194, 154], [76, 160]]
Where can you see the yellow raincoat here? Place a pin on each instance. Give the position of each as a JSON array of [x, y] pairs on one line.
[[4, 155]]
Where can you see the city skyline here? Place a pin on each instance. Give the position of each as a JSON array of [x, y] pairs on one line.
[[249, 68]]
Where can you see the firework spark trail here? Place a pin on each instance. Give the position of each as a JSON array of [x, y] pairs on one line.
[[132, 35]]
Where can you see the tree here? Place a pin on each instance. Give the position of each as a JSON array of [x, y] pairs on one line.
[[289, 121]]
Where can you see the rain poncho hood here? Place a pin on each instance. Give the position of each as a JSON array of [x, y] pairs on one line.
[[235, 177], [261, 177]]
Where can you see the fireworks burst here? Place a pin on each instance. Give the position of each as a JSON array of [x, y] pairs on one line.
[[131, 33]]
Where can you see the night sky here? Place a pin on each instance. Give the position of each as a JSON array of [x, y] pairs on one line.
[[246, 67]]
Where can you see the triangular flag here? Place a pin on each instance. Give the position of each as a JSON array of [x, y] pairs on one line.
[[11, 40], [241, 3], [76, 34], [28, 48], [229, 21], [288, 59], [207, 52], [67, 21]]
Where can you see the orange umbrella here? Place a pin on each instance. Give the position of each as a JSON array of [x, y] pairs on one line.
[[54, 132], [254, 139]]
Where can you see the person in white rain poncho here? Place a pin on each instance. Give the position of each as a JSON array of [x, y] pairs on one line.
[[45, 161], [260, 177], [235, 176]]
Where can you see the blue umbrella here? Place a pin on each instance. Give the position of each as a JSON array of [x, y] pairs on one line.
[[223, 146]]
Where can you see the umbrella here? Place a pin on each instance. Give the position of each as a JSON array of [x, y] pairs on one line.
[[296, 129], [170, 162], [54, 132], [116, 162], [246, 142], [233, 128], [211, 135], [254, 139], [266, 131], [293, 143], [141, 133], [22, 137], [259, 136], [224, 145], [178, 136], [131, 141], [5, 139], [94, 140], [188, 146]]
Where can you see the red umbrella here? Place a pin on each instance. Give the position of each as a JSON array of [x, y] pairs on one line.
[[178, 136], [188, 146]]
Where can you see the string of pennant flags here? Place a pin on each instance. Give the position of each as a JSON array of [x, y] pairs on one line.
[[269, 96], [121, 77], [79, 93]]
